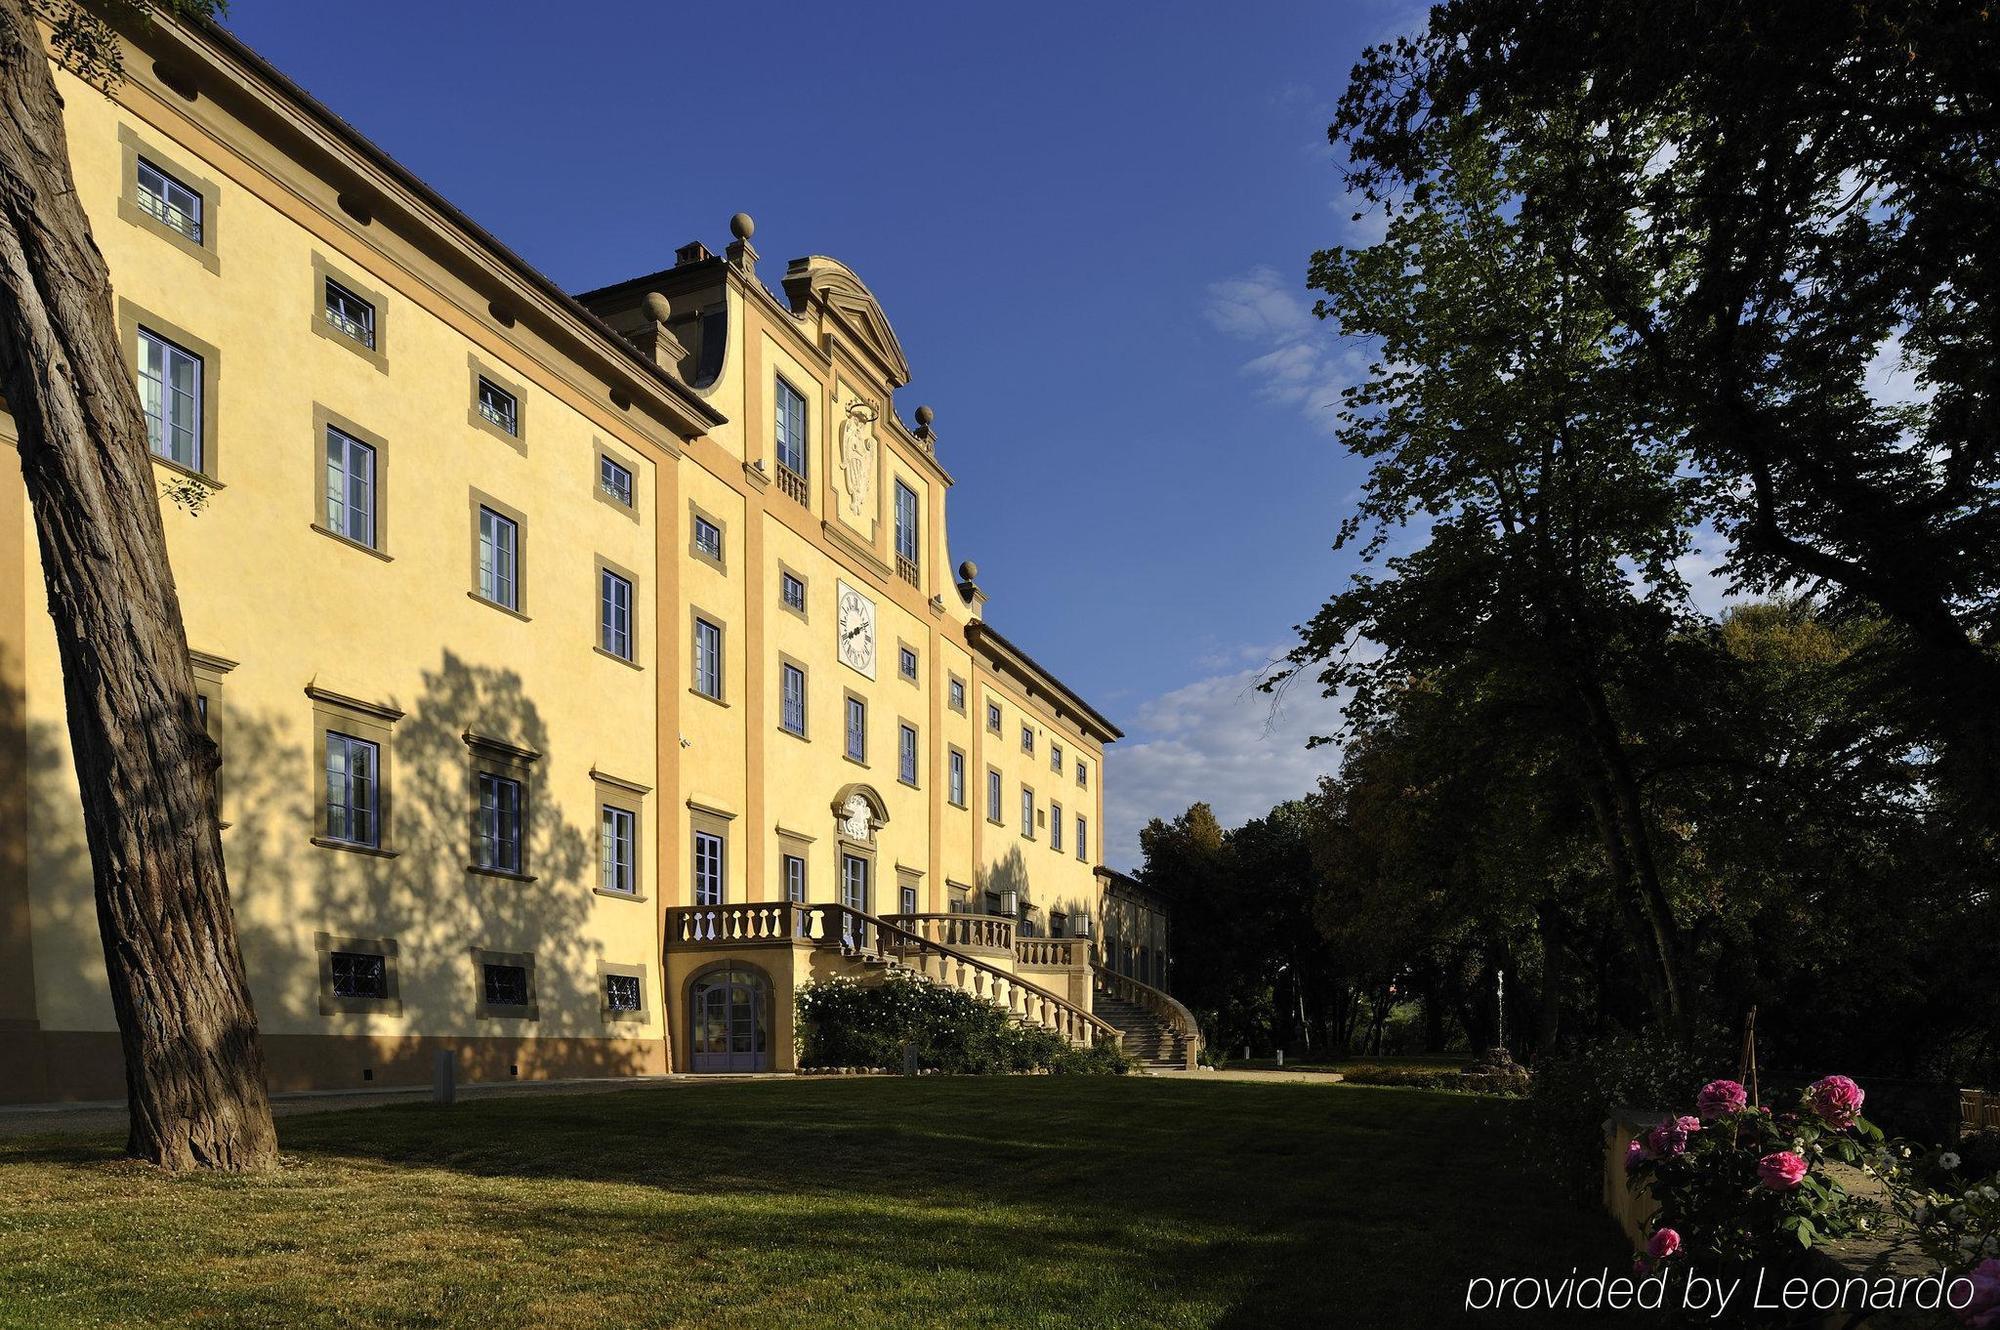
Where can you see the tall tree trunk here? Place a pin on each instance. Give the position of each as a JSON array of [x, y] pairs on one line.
[[194, 1069]]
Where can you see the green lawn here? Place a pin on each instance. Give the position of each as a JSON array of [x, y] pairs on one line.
[[848, 1202]]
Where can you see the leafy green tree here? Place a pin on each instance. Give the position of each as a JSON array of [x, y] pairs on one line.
[[194, 1067], [1524, 512], [1781, 202]]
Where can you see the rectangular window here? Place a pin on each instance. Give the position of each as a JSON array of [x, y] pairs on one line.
[[170, 392], [795, 878], [1027, 812], [1028, 739], [353, 793], [992, 795], [621, 992], [614, 616], [909, 562], [857, 729], [707, 868], [499, 573], [908, 899], [615, 855], [498, 406], [350, 313], [707, 659], [169, 201], [1083, 775], [956, 694], [350, 488], [792, 590], [792, 698], [1055, 825], [614, 480], [359, 974], [906, 663], [993, 717], [906, 754], [708, 538], [499, 832], [505, 985], [854, 882], [791, 441], [956, 780], [1082, 837], [1055, 758]]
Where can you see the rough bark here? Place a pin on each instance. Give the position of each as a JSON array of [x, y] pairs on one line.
[[194, 1069]]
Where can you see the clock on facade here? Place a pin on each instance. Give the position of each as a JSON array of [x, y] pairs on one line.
[[857, 630]]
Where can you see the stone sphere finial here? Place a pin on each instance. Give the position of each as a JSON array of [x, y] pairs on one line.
[[968, 571], [657, 308], [924, 417], [741, 226]]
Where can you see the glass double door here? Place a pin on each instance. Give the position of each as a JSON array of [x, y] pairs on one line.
[[730, 1029]]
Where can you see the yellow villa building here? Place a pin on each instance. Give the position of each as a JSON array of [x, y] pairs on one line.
[[589, 671]]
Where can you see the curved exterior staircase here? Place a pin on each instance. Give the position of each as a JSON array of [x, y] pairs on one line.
[[1157, 1029]]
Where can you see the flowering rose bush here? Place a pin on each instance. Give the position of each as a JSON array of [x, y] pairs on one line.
[[1719, 1099], [1741, 1184]]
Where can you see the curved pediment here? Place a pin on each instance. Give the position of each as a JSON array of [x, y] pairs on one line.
[[853, 305]]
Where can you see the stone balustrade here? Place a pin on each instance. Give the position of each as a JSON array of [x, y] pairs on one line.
[[1052, 952], [967, 932]]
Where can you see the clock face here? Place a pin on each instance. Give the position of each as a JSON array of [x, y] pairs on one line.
[[857, 630]]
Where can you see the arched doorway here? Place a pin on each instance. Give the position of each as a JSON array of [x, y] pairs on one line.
[[729, 1020]]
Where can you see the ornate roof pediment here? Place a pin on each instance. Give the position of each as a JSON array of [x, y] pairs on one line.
[[855, 307]]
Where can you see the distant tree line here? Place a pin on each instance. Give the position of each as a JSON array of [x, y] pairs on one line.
[[1654, 279]]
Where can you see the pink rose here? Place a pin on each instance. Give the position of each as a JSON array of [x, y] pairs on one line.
[[1836, 1099], [1636, 1153], [1781, 1171], [1983, 1312], [1664, 1243], [1670, 1137], [1719, 1099]]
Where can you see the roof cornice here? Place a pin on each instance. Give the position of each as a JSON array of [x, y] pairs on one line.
[[981, 636]]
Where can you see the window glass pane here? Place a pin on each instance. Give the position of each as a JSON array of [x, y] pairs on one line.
[[170, 395], [906, 522], [499, 842], [708, 869], [615, 865], [351, 789], [993, 795], [350, 487], [1027, 812], [350, 313], [615, 480], [906, 750], [1055, 825], [792, 714], [707, 658], [615, 615], [957, 777], [506, 985], [791, 429], [498, 405], [169, 201], [359, 975], [498, 541], [621, 992], [857, 729], [795, 878]]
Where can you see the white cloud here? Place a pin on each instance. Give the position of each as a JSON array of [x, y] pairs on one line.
[[1303, 364], [1220, 741]]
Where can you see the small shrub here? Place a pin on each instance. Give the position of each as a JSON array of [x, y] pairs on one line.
[[843, 1023]]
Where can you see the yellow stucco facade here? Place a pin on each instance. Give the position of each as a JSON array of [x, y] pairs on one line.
[[443, 754]]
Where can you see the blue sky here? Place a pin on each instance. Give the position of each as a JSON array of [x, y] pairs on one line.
[[1089, 223]]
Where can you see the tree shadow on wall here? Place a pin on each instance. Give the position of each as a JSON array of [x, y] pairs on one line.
[[424, 897]]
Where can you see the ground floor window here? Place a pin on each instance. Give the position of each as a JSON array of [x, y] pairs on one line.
[[854, 882]]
